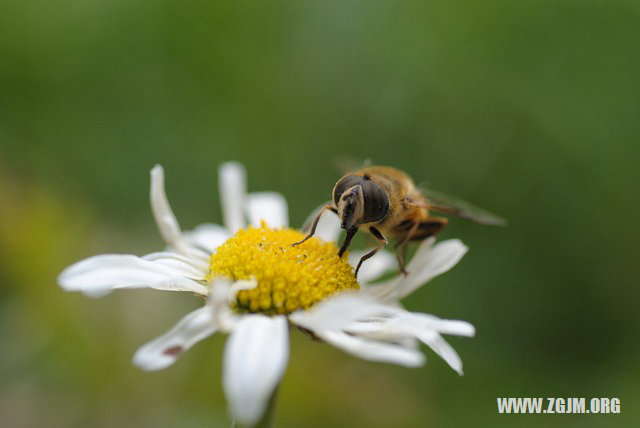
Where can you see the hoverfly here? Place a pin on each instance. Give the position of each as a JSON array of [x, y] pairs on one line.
[[385, 202]]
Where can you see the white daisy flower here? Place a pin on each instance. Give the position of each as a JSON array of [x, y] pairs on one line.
[[256, 285]]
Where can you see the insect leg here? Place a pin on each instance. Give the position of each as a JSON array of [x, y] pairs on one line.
[[376, 233], [400, 249], [429, 228], [315, 223]]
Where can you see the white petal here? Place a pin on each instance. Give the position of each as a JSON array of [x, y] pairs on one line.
[[98, 275], [427, 263], [383, 290], [442, 326], [443, 349], [165, 350], [374, 350], [233, 187], [336, 312], [223, 291], [187, 267], [427, 328], [380, 263], [431, 263], [207, 236], [162, 213], [255, 359], [438, 259], [268, 206], [328, 228]]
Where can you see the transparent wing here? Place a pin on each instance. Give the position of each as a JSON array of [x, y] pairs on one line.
[[447, 204]]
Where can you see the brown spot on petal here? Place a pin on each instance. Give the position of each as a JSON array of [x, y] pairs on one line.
[[173, 351]]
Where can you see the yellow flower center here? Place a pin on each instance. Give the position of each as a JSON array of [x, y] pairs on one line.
[[289, 278]]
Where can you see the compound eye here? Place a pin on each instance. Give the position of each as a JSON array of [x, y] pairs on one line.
[[344, 184], [376, 202]]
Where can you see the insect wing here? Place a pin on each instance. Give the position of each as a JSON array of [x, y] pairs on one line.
[[441, 202]]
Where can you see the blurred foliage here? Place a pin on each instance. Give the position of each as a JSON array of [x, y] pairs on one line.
[[528, 108]]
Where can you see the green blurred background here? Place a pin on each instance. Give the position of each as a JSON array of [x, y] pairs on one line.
[[528, 108]]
